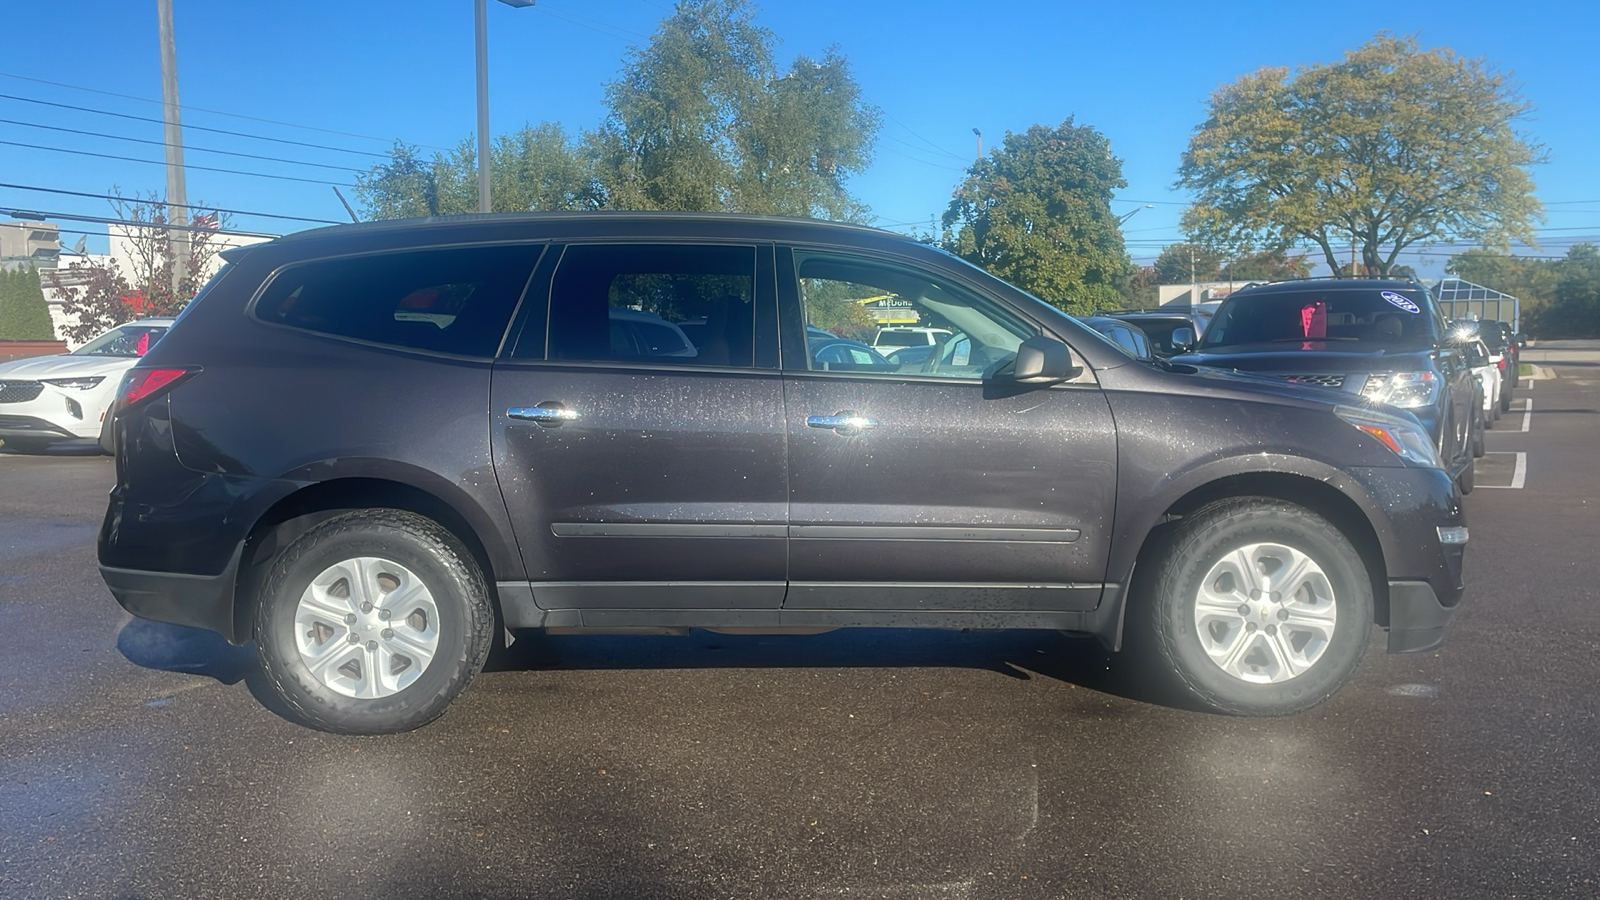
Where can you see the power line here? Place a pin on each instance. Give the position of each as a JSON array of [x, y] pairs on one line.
[[118, 137], [104, 220], [603, 24], [154, 162], [610, 34], [243, 134], [215, 112], [919, 137], [113, 197]]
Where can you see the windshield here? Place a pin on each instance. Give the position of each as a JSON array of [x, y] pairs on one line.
[[133, 340], [1393, 319]]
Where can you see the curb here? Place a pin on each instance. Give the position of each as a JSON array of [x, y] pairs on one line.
[[1540, 373]]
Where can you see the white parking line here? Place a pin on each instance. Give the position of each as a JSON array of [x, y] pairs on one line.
[[1518, 475], [1527, 413]]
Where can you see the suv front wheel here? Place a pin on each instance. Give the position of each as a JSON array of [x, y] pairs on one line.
[[1259, 607], [372, 622]]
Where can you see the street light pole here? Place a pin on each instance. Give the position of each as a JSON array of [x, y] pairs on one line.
[[1126, 216], [481, 21], [481, 15], [980, 142]]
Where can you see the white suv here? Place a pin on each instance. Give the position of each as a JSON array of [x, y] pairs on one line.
[[898, 336], [50, 399]]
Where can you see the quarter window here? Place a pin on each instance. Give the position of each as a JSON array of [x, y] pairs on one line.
[[455, 301], [660, 304]]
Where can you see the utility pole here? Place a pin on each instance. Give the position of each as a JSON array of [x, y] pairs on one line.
[[177, 195], [1194, 284], [980, 142]]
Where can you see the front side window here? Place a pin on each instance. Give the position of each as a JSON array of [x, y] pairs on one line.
[[923, 325], [1400, 319], [660, 304], [455, 301]]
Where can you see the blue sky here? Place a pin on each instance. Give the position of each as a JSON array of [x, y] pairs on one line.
[[1138, 71]]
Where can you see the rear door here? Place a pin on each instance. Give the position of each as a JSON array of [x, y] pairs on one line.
[[638, 429], [921, 486]]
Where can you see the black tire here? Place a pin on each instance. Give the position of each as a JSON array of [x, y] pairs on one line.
[[108, 437], [1167, 604], [1468, 479], [465, 620], [1505, 400], [1479, 425]]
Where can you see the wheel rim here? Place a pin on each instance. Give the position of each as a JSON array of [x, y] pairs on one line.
[[1265, 613], [367, 627]]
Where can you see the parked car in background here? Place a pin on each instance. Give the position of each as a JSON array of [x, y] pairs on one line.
[[50, 400], [1502, 355], [373, 514], [1170, 329], [1489, 379], [893, 337], [1124, 334], [1385, 340], [838, 354], [1499, 336]]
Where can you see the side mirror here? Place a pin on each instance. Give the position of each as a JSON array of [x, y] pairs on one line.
[[1043, 360], [1521, 339], [1182, 340]]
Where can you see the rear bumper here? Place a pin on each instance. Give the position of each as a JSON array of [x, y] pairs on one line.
[[196, 601], [1417, 620]]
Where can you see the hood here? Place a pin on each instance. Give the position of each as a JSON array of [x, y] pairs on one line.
[[1264, 384], [65, 366], [1308, 357]]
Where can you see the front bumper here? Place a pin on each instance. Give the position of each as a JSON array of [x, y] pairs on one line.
[[56, 414], [1417, 620]]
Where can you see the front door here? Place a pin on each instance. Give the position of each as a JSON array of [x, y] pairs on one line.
[[639, 441], [917, 484]]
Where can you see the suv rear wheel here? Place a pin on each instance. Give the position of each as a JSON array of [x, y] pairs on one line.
[[373, 622], [1259, 607]]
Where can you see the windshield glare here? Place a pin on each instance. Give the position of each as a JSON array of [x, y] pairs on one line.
[[1396, 319], [124, 340]]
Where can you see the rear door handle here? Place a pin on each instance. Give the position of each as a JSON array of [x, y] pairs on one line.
[[846, 422], [549, 413]]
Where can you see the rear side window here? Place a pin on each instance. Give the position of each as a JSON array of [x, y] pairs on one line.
[[455, 301], [661, 304]]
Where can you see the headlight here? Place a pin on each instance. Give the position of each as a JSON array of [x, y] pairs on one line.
[[1407, 390], [1406, 438], [77, 384]]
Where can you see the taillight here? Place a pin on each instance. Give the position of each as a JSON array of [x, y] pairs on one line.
[[142, 384], [1502, 364]]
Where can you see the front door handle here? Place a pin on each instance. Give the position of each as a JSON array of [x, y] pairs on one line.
[[549, 413], [845, 422]]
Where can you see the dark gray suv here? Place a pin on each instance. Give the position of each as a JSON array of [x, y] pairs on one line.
[[368, 448]]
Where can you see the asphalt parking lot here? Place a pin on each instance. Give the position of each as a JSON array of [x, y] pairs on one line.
[[140, 760]]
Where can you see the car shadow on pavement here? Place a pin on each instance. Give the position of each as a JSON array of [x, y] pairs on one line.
[[1020, 654], [191, 651]]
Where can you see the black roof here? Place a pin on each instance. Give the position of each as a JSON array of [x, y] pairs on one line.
[[1327, 284], [542, 221]]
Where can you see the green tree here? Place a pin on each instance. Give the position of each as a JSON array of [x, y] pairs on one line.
[[1268, 265], [1037, 212], [537, 168], [1184, 262], [24, 316], [1393, 146], [702, 120]]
